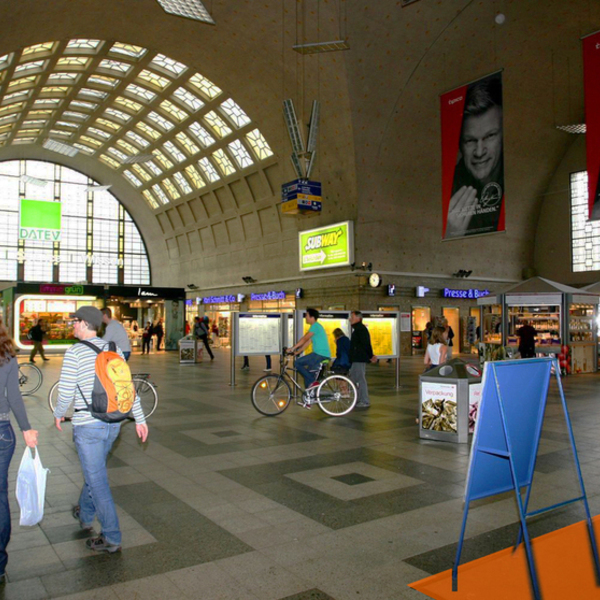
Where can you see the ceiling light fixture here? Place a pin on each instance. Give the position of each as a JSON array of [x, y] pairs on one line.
[[190, 9], [33, 180], [138, 158], [60, 147], [574, 128], [97, 188], [320, 47]]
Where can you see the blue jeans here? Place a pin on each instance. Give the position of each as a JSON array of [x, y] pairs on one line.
[[93, 443], [308, 366], [7, 449]]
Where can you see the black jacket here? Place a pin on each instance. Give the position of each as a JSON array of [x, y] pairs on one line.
[[360, 344], [37, 333]]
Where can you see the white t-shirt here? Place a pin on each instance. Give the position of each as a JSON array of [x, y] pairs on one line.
[[434, 351], [115, 332]]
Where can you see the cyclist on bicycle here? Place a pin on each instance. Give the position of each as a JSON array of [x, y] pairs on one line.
[[308, 365]]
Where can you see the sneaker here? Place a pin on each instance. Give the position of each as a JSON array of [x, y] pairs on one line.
[[75, 512], [362, 407], [99, 544], [267, 370], [245, 368]]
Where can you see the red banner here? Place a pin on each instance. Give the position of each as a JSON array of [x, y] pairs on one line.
[[591, 80], [473, 159]]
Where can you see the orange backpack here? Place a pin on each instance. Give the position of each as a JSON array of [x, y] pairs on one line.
[[113, 394]]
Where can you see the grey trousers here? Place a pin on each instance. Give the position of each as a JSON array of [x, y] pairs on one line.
[[358, 377]]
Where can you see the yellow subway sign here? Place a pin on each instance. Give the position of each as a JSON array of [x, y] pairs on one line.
[[327, 247]]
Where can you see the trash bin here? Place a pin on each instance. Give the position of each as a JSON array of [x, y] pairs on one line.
[[448, 401], [187, 350]]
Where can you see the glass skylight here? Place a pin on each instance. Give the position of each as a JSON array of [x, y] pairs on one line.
[[128, 50], [177, 113], [138, 139], [154, 79], [207, 87], [191, 9], [174, 151], [169, 65], [187, 143], [164, 123], [208, 170], [217, 124], [115, 66], [162, 159], [132, 178], [240, 154], [236, 115], [223, 162], [171, 189], [259, 145], [140, 92], [190, 100], [83, 44], [202, 135], [160, 194], [149, 131], [182, 183]]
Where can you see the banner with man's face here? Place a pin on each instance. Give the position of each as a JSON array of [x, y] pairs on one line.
[[473, 159], [591, 81]]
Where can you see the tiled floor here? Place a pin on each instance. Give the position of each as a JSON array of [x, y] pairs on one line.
[[223, 503]]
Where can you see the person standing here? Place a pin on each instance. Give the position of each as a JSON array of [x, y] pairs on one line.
[[10, 401], [93, 437], [37, 334], [527, 335], [308, 365], [449, 333], [115, 332], [147, 338], [201, 333], [361, 352], [437, 349], [159, 332]]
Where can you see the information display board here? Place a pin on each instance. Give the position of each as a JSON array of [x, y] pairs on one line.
[[289, 329], [330, 321], [383, 328], [258, 334]]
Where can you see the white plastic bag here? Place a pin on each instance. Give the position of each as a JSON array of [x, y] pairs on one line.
[[31, 487]]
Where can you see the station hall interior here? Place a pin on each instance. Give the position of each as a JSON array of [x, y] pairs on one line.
[[427, 163]]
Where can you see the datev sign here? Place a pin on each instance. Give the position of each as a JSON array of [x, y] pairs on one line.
[[40, 220], [327, 247]]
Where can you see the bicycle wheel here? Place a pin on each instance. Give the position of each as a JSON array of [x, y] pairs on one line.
[[336, 395], [30, 379], [52, 400], [271, 395], [147, 393]]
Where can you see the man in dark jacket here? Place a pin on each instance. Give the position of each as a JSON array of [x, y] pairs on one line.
[[361, 352], [36, 334]]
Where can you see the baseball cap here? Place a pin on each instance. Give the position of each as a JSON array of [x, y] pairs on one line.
[[89, 314]]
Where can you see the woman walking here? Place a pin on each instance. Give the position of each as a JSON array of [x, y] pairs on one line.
[[436, 349], [10, 401]]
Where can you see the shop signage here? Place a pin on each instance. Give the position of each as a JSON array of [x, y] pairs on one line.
[[142, 292], [227, 299], [421, 291], [42, 256], [69, 290], [301, 196], [327, 247], [40, 220], [469, 294], [268, 296]]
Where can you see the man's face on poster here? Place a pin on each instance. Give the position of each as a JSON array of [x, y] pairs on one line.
[[481, 143]]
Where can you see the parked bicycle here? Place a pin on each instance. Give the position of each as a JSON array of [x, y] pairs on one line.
[[30, 378], [335, 394], [144, 388]]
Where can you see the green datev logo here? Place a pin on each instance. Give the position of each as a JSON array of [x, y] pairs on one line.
[[40, 220], [326, 247]]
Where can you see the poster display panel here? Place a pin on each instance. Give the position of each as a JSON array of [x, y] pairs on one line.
[[439, 404], [473, 159], [474, 399], [383, 329], [591, 84], [330, 321], [258, 334]]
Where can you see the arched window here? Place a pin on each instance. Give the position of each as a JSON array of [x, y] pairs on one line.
[[98, 241]]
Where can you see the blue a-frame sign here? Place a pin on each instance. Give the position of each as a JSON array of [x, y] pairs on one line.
[[506, 442]]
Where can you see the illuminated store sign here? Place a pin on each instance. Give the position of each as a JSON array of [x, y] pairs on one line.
[[327, 247], [469, 294], [227, 299], [142, 292], [71, 290], [40, 220], [268, 296]]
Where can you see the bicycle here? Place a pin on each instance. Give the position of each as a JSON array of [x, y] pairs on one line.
[[30, 379], [335, 394], [144, 388]]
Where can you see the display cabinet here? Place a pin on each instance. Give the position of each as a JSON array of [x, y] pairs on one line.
[[546, 320]]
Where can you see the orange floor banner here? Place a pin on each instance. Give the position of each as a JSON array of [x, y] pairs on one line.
[[564, 563]]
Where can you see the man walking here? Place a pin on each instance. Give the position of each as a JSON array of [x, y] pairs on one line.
[[115, 332], [36, 335], [361, 352], [201, 333], [93, 438]]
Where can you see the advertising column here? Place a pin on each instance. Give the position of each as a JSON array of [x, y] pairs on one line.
[[472, 159]]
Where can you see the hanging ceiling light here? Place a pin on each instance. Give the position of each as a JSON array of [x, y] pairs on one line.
[[190, 9], [60, 147]]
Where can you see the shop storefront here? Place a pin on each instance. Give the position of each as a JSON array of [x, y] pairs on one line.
[[218, 309], [24, 304], [137, 306], [274, 301], [563, 318]]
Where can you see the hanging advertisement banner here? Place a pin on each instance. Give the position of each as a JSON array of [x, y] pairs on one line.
[[327, 247], [473, 159], [591, 83], [40, 220]]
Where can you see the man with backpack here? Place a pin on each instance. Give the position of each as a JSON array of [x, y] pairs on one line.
[[201, 333], [96, 378]]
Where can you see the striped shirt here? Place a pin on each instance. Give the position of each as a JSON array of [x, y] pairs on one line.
[[79, 372]]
